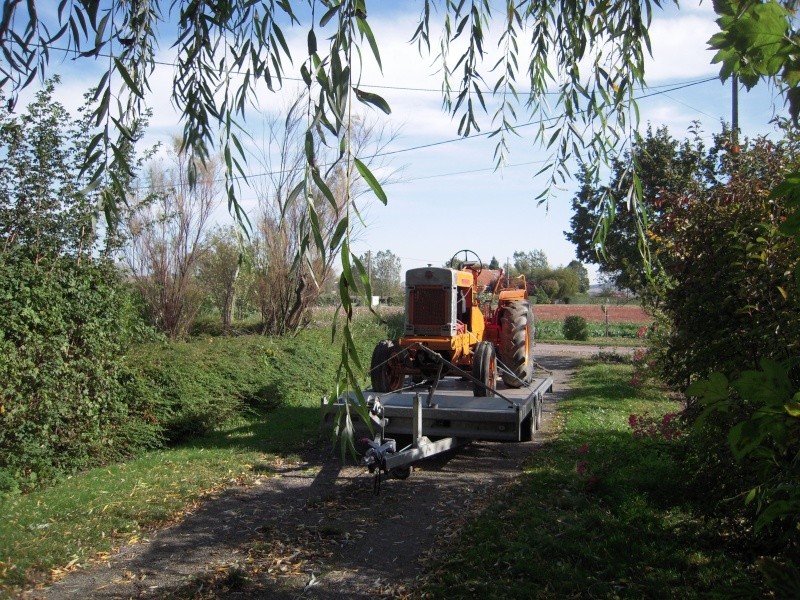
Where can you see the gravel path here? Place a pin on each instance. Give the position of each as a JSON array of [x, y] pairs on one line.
[[315, 529]]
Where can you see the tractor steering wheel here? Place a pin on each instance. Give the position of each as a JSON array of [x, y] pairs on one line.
[[466, 263]]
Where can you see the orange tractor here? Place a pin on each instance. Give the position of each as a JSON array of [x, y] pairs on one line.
[[451, 330]]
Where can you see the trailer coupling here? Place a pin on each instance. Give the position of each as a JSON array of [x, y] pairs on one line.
[[375, 456], [377, 459]]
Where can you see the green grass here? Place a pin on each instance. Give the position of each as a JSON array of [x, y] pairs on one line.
[[92, 513], [622, 528], [619, 334], [84, 516]]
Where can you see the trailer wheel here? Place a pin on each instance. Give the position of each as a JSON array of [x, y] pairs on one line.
[[484, 369], [527, 429], [516, 343], [386, 369], [400, 472]]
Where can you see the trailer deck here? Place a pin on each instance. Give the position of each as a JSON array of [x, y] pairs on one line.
[[440, 416]]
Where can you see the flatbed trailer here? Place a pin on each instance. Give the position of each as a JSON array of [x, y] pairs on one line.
[[441, 416]]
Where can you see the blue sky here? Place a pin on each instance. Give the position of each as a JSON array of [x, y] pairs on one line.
[[449, 196]]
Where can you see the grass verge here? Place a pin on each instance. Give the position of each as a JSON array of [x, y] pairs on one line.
[[53, 529], [48, 532], [599, 513]]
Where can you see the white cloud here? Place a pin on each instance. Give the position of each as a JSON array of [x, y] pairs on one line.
[[680, 49]]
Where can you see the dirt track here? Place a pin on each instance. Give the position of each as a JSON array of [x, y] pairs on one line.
[[315, 529]]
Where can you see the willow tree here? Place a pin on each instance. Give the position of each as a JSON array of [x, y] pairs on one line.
[[590, 53]]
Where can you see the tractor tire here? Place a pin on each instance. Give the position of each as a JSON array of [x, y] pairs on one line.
[[484, 369], [516, 343], [384, 371]]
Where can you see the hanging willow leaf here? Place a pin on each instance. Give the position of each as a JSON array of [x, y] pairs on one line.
[[373, 99], [372, 182]]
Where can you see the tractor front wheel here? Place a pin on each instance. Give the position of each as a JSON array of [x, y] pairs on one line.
[[386, 369], [484, 369], [516, 342]]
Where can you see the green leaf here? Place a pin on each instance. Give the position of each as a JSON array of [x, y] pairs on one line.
[[371, 181], [793, 408], [366, 31], [373, 99], [312, 42], [744, 438], [323, 187], [710, 390], [352, 349], [338, 234], [134, 87], [329, 14], [770, 386]]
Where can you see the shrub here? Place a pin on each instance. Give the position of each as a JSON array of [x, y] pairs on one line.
[[730, 302], [63, 405], [576, 328]]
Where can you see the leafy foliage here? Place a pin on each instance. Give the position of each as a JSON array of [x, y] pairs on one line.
[[753, 40], [764, 410], [40, 205], [384, 268], [65, 319], [221, 275], [728, 301], [64, 404]]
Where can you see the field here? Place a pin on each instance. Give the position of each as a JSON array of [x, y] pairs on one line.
[[627, 313]]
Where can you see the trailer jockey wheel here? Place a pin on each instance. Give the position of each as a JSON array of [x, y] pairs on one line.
[[400, 472]]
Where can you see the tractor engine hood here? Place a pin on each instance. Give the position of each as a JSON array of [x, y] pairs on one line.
[[432, 300]]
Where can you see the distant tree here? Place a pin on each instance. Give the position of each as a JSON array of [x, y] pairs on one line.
[[166, 230], [568, 282], [219, 269], [494, 264], [530, 263], [41, 208], [550, 287], [583, 275], [385, 268], [667, 167]]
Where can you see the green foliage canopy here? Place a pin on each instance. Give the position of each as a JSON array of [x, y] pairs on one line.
[[65, 320], [667, 167]]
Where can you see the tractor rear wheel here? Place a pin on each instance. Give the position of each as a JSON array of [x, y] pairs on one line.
[[385, 370], [484, 369], [516, 343]]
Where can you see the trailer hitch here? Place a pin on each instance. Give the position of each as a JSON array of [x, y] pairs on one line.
[[375, 461]]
